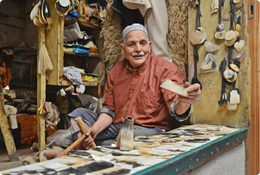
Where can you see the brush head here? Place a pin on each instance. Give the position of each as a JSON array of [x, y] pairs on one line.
[[28, 160]]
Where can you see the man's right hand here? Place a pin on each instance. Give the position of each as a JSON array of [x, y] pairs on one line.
[[88, 141], [103, 121]]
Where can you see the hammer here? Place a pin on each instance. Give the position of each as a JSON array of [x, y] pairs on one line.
[[83, 130]]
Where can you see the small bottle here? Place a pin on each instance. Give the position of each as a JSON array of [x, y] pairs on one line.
[[127, 134]]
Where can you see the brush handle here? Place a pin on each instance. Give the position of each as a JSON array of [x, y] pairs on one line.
[[73, 145]]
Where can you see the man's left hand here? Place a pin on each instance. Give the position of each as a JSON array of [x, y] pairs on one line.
[[184, 102], [193, 93]]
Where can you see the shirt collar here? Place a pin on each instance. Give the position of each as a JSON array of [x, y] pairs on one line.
[[141, 69]]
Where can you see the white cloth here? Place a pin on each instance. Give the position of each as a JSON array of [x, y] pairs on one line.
[[72, 74], [142, 5], [156, 21]]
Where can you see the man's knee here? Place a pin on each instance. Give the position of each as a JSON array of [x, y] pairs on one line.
[[143, 131]]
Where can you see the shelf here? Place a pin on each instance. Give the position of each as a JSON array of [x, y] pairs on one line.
[[86, 26], [65, 82], [80, 55], [70, 57]]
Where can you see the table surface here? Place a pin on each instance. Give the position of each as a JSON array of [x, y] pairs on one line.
[[173, 152]]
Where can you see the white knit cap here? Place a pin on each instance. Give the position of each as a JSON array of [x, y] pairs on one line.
[[133, 27]]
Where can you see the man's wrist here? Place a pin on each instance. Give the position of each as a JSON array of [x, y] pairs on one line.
[[181, 107], [183, 116]]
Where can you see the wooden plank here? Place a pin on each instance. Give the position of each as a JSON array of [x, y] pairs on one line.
[[41, 95], [207, 110], [253, 131], [10, 36], [87, 26], [11, 21], [54, 45], [5, 128]]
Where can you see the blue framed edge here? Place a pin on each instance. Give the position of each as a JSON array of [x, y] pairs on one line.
[[192, 158]]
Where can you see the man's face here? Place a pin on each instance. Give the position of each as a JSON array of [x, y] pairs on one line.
[[136, 48]]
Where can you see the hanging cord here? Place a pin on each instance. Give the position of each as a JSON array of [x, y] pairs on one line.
[[196, 53], [232, 14], [198, 15], [232, 19], [196, 59], [220, 4], [239, 23], [230, 51], [219, 11], [196, 47]]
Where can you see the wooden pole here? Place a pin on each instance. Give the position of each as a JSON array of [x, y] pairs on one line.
[[5, 128], [253, 146]]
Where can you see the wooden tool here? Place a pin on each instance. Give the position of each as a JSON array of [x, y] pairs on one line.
[[30, 159], [5, 128], [83, 130]]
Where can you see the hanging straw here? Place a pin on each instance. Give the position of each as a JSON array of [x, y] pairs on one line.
[[44, 62]]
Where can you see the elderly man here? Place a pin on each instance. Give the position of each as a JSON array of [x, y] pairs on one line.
[[133, 89]]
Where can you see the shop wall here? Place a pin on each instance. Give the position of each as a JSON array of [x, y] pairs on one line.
[[16, 28], [207, 110]]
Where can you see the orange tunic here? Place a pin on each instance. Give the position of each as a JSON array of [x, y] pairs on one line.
[[138, 93]]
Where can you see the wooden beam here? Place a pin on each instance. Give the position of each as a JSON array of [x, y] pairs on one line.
[[11, 21], [253, 51], [5, 128], [41, 94], [54, 45]]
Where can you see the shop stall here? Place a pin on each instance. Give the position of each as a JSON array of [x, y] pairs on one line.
[[214, 43]]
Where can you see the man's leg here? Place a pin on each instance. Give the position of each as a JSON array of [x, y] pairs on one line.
[[112, 131], [89, 119], [144, 131]]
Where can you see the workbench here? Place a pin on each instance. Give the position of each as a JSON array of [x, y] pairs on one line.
[[192, 149]]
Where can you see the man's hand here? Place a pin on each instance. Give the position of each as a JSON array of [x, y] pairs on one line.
[[88, 141], [103, 121], [184, 102], [193, 93]]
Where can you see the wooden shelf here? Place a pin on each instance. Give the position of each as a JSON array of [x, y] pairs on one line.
[[65, 82], [80, 55], [90, 29], [86, 26]]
